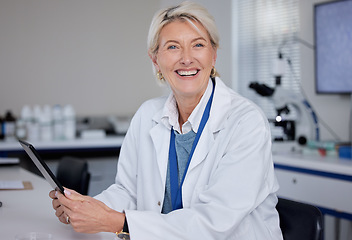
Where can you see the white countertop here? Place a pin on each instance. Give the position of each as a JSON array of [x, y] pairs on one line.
[[25, 211], [107, 142], [329, 164]]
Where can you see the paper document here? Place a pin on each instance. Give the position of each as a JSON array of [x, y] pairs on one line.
[[9, 160], [8, 185]]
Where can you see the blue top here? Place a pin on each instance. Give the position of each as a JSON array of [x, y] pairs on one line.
[[183, 144]]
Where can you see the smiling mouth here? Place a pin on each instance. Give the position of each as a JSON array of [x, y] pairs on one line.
[[189, 73]]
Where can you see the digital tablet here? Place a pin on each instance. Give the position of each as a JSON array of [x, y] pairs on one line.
[[41, 165]]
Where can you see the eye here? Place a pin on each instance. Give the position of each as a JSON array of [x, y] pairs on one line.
[[171, 47], [199, 45]]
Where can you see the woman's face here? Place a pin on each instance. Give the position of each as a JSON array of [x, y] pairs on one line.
[[185, 58]]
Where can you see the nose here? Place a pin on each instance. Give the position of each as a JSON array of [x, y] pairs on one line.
[[186, 57]]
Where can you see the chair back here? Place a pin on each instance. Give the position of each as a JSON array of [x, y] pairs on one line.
[[73, 173], [300, 220]]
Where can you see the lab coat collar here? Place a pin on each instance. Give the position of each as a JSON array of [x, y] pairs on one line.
[[160, 134], [219, 109], [170, 112]]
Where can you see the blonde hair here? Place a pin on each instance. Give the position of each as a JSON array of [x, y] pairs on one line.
[[186, 11]]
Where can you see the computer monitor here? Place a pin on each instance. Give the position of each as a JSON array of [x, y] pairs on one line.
[[333, 47]]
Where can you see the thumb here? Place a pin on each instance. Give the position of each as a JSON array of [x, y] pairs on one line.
[[73, 195]]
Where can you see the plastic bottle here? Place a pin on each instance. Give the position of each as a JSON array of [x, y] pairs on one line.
[[45, 123], [21, 131], [58, 124], [69, 120], [33, 130], [23, 123], [9, 126]]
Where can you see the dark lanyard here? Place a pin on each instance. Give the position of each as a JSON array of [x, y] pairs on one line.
[[176, 187]]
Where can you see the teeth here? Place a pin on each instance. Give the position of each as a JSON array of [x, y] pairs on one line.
[[187, 73]]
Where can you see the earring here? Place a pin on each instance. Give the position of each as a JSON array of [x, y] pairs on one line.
[[160, 76], [213, 72]]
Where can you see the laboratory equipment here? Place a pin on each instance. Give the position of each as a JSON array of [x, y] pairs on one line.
[[333, 31], [306, 123]]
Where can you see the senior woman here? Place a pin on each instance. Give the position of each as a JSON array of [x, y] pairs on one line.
[[194, 165]]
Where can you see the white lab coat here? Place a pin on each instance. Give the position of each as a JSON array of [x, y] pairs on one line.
[[229, 189]]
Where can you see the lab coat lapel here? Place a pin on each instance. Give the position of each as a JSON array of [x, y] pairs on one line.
[[218, 113], [206, 141], [161, 139]]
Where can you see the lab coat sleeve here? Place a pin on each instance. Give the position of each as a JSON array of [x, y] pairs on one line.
[[122, 194], [228, 206]]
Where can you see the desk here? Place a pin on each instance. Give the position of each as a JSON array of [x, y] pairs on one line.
[[78, 143], [322, 181], [31, 211]]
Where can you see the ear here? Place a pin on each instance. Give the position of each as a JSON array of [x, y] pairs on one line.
[[154, 61]]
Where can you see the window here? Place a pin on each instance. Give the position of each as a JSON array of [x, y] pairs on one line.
[[264, 28]]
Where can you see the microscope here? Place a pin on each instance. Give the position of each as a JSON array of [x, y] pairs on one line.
[[305, 126]]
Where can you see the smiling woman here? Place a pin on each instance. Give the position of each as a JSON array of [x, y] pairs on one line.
[[194, 165], [185, 61]]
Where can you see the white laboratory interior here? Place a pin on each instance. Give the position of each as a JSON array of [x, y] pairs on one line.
[[81, 68]]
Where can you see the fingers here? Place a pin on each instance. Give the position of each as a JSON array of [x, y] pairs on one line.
[[86, 215], [70, 200], [64, 218], [58, 206], [59, 211], [74, 208], [73, 195], [52, 194], [56, 203], [64, 199]]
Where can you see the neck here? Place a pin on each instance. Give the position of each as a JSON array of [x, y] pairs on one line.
[[186, 105], [185, 108]]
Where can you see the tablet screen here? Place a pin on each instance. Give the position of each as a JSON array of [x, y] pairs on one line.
[[41, 165]]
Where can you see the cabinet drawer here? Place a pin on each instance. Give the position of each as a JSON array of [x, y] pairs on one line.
[[331, 193]]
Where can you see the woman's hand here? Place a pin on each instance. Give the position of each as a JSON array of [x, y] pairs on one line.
[[84, 213], [57, 207]]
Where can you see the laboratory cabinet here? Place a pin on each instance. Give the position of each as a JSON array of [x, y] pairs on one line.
[[322, 181]]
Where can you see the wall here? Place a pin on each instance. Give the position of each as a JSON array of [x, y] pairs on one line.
[[333, 109], [93, 54], [89, 53]]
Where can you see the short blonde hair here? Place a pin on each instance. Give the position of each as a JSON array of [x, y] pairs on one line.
[[186, 11]]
